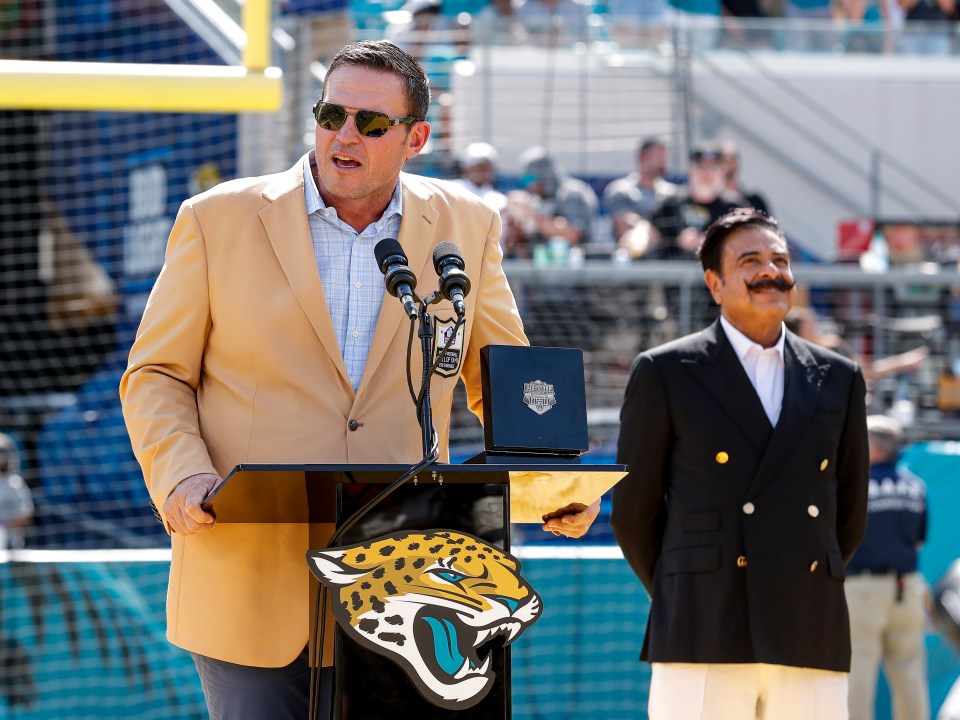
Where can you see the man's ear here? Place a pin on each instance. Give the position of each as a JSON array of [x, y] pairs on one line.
[[713, 280], [417, 139]]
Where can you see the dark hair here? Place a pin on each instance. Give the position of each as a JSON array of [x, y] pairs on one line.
[[649, 143], [387, 57], [710, 253]]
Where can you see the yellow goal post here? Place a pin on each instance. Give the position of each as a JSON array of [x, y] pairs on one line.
[[252, 87]]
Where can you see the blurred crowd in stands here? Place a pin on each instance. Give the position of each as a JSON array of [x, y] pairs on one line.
[[645, 215], [912, 26]]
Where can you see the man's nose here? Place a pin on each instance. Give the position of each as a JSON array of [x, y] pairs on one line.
[[348, 132], [771, 269]]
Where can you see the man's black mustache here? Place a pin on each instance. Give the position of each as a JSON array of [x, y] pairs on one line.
[[778, 283]]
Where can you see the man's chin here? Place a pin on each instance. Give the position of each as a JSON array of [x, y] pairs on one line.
[[345, 191], [773, 308]]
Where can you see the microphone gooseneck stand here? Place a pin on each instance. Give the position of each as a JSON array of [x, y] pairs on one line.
[[431, 453], [424, 411]]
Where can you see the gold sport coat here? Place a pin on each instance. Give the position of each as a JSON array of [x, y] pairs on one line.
[[236, 361]]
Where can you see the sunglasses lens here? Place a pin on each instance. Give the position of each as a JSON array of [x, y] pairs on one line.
[[330, 116], [372, 124]]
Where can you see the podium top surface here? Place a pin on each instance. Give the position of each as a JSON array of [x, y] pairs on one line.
[[283, 493]]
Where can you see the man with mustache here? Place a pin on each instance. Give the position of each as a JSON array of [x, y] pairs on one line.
[[747, 494]]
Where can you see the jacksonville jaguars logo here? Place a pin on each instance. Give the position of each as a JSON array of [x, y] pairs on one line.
[[429, 601]]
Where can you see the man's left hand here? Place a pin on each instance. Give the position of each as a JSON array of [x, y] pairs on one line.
[[574, 523]]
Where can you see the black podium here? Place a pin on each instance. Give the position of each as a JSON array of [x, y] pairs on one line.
[[481, 498]]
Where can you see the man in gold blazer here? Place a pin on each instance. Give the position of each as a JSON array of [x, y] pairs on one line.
[[267, 339]]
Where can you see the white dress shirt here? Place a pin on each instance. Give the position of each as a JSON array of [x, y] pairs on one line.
[[764, 367], [352, 281]]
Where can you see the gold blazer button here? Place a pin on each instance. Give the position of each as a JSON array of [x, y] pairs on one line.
[[813, 566], [742, 561], [823, 464], [722, 457]]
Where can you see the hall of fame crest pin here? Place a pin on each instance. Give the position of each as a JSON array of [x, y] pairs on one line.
[[448, 362], [539, 396]]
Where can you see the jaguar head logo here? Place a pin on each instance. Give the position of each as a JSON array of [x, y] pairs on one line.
[[430, 601]]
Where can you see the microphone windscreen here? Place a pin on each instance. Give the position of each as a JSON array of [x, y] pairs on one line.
[[444, 250], [385, 248]]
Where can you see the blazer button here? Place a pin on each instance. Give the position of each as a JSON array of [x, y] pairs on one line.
[[353, 425], [742, 561], [748, 508], [722, 457], [813, 566], [813, 511], [823, 464]]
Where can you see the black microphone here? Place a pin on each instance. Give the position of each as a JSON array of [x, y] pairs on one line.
[[454, 283], [398, 277]]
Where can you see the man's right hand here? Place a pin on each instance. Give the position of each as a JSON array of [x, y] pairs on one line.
[[183, 510]]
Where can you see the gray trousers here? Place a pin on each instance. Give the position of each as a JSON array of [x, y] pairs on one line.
[[241, 692]]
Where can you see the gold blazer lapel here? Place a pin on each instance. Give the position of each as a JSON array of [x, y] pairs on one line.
[[286, 225], [417, 230]]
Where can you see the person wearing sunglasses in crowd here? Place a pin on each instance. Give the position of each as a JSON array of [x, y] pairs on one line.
[[267, 339]]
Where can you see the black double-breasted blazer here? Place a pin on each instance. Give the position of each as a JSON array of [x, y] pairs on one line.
[[740, 531]]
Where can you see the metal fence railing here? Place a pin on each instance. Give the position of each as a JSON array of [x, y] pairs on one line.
[[613, 311]]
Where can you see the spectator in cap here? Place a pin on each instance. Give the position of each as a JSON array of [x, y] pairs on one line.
[[550, 204], [680, 219], [886, 596], [477, 163], [730, 154]]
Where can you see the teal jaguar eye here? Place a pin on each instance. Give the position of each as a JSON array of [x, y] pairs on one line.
[[449, 576]]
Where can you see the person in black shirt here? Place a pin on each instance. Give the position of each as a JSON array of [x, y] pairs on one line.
[[731, 160], [680, 219]]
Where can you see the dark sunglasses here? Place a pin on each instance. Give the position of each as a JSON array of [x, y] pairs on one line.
[[370, 123]]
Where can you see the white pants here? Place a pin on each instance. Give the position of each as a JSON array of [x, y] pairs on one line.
[[885, 630], [755, 691]]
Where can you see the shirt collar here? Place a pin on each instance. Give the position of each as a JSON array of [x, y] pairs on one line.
[[315, 203], [310, 193], [742, 344]]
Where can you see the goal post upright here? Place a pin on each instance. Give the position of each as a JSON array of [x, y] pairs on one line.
[[143, 87]]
